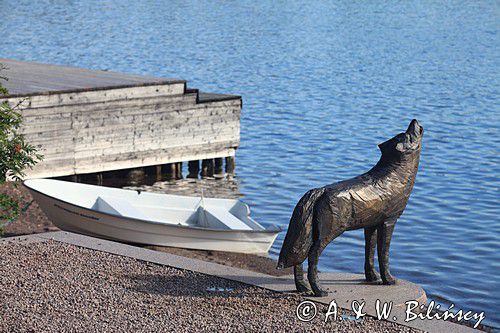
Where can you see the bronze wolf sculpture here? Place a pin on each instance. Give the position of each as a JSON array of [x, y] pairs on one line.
[[373, 201]]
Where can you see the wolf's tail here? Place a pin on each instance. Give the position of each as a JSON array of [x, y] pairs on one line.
[[298, 239]]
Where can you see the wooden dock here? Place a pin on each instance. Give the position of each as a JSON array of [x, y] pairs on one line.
[[88, 121]]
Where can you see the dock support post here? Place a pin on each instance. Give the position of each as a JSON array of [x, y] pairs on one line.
[[194, 169], [230, 164], [179, 171], [154, 172], [218, 171], [100, 179], [159, 173], [210, 168], [136, 176], [207, 168], [204, 169], [171, 171]]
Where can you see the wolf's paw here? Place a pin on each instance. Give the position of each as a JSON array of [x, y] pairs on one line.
[[302, 287], [388, 280], [372, 276], [320, 292]]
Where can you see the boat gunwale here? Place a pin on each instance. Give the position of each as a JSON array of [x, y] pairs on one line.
[[252, 231]]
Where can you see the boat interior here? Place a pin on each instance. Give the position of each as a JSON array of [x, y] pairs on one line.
[[205, 216], [224, 214]]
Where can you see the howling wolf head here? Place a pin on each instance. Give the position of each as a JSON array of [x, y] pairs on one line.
[[404, 143]]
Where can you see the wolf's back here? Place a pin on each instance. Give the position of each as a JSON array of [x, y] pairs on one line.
[[298, 239]]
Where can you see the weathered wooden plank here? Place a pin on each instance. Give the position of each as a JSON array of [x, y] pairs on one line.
[[152, 126], [169, 107], [96, 96], [29, 77], [174, 102]]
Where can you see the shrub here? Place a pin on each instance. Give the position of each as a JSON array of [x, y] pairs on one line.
[[16, 154]]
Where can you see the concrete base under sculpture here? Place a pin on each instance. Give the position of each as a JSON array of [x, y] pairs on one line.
[[345, 288]]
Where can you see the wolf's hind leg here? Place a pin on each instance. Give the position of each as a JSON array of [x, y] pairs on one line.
[[301, 285], [384, 235], [312, 271], [370, 244]]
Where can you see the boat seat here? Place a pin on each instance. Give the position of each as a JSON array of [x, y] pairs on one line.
[[224, 216], [117, 206]]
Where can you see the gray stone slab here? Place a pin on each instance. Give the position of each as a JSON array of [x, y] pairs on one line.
[[22, 239], [343, 287], [346, 287]]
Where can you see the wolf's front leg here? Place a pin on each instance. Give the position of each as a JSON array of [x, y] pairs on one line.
[[370, 244], [300, 283], [312, 271], [384, 235]]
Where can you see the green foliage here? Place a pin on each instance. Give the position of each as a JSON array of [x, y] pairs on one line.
[[9, 210], [3, 90], [16, 154]]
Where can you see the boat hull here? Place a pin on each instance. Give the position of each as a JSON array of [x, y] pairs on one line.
[[85, 221]]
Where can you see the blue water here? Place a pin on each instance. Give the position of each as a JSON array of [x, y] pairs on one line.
[[322, 84]]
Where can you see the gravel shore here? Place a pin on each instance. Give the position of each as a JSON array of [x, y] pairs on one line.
[[54, 287]]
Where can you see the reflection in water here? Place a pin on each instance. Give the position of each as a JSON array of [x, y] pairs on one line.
[[147, 180], [210, 187]]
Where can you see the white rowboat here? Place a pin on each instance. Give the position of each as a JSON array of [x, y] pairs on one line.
[[151, 218]]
